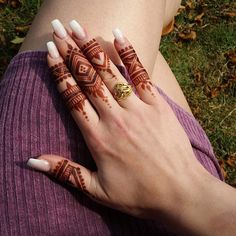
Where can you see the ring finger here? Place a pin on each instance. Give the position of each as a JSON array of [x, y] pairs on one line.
[[109, 73]]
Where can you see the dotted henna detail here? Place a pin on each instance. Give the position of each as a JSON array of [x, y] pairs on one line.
[[84, 73], [74, 98], [60, 72], [137, 73], [98, 58], [79, 180]]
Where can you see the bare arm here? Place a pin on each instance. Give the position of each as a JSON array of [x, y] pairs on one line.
[[206, 206]]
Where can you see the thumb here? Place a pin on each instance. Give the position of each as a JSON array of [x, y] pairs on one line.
[[68, 172]]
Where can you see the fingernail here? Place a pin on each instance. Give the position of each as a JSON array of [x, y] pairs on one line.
[[59, 29], [77, 29], [52, 50], [38, 164], [118, 36]]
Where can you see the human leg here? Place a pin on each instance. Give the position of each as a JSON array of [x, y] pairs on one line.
[[165, 79], [139, 30], [141, 21]]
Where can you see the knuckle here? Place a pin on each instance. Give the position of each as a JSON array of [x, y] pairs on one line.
[[120, 125], [97, 144]]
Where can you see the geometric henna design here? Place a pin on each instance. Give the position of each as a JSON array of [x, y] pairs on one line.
[[99, 59], [87, 78], [65, 172], [60, 72], [137, 73], [74, 98]]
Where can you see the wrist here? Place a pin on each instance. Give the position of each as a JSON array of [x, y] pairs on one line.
[[203, 205]]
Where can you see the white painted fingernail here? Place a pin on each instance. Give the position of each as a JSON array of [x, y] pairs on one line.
[[118, 36], [52, 50], [38, 164], [77, 29], [59, 29]]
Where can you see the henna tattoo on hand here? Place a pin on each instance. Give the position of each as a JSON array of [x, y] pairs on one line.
[[84, 73], [69, 174], [60, 72], [74, 98], [137, 73], [98, 58]]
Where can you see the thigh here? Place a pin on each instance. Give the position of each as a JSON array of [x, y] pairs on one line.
[[172, 7], [168, 82], [141, 21]]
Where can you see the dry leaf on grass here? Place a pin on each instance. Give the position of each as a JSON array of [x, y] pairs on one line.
[[2, 40], [22, 29], [15, 3], [188, 35], [229, 14], [231, 161], [199, 19], [189, 5], [17, 40], [222, 167], [231, 56], [198, 78]]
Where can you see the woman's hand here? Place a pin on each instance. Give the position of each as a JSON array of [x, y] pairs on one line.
[[145, 163]]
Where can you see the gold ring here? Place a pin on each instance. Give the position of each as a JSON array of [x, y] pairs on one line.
[[122, 91]]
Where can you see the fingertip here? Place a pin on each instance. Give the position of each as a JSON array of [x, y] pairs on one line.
[[39, 164], [52, 50]]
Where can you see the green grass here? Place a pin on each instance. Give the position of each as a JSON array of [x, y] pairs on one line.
[[206, 76]]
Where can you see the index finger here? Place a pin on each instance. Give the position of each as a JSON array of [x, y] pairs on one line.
[[82, 111]]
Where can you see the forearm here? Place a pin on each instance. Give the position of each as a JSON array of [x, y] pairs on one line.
[[207, 207]]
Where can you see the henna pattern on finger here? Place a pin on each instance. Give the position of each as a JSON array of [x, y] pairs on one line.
[[60, 72], [137, 73], [84, 73], [70, 174], [98, 58], [74, 98]]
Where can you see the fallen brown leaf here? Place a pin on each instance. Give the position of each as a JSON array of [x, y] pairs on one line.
[[229, 14], [189, 5], [15, 3], [3, 1], [223, 171], [188, 35], [214, 92], [231, 160], [198, 18], [231, 163], [231, 56], [22, 29], [198, 78], [2, 40]]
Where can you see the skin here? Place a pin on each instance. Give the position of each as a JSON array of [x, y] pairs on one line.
[[173, 189], [161, 12], [180, 185]]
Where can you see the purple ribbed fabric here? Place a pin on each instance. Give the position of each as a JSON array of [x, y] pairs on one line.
[[34, 121]]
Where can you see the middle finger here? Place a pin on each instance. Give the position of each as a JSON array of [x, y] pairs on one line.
[[101, 63], [84, 73]]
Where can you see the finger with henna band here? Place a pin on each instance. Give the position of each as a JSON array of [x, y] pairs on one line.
[[102, 64]]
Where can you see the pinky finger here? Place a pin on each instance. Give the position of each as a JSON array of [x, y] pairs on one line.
[[136, 71]]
